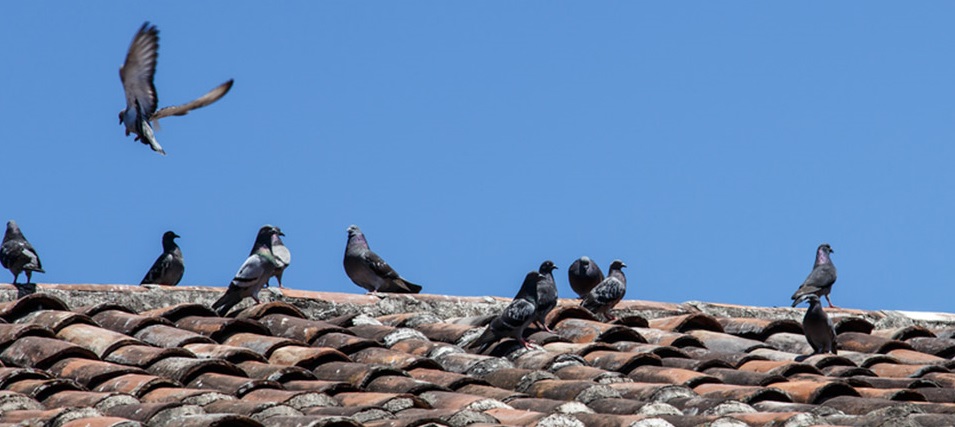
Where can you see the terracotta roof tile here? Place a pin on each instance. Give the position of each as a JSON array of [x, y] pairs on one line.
[[228, 353], [394, 358], [329, 387], [491, 392], [306, 357], [90, 373], [398, 384], [100, 341], [745, 394], [904, 333], [586, 331], [667, 338], [230, 384], [344, 343], [102, 422], [135, 384], [622, 362], [126, 323], [305, 330], [582, 391], [191, 396], [589, 373], [79, 398], [449, 380], [54, 320], [356, 374], [39, 352], [169, 337], [143, 355], [658, 374], [277, 373], [686, 323], [12, 332], [748, 378], [758, 329], [865, 343]]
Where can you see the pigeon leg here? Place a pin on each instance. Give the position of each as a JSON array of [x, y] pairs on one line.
[[256, 299], [15, 276], [544, 327], [830, 302], [526, 344], [29, 276]]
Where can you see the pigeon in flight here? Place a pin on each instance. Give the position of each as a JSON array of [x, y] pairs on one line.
[[282, 255], [17, 254], [583, 275], [369, 271], [168, 268], [253, 274], [817, 326], [546, 293], [141, 100], [515, 317], [601, 299], [821, 278]]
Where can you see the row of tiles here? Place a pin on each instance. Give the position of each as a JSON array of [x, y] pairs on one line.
[[573, 362]]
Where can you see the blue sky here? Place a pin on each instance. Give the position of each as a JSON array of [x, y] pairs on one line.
[[710, 146]]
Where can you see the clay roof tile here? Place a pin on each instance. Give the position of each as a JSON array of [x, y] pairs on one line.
[[41, 353]]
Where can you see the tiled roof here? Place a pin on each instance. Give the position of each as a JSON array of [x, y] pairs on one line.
[[114, 355]]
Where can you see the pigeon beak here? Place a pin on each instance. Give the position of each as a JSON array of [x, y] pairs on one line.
[[176, 236]]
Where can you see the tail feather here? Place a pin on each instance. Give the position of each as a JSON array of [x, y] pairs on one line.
[[229, 299]]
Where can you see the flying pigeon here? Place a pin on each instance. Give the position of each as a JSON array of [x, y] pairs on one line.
[[253, 274], [583, 275], [817, 326], [515, 317], [546, 293], [141, 100], [821, 278], [369, 271], [602, 298], [17, 254], [282, 255], [168, 268]]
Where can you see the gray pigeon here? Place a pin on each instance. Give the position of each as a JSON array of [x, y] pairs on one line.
[[17, 254], [168, 268], [821, 278], [584, 275], [253, 274], [141, 101], [602, 298], [282, 255], [817, 326], [369, 271], [546, 293], [515, 317]]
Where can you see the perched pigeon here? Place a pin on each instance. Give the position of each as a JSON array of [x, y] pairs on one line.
[[369, 271], [17, 254], [282, 255], [141, 101], [583, 275], [821, 278], [546, 293], [253, 274], [515, 317], [168, 268], [817, 326], [601, 299]]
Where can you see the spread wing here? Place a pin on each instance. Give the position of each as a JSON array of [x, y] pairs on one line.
[[140, 67], [181, 110]]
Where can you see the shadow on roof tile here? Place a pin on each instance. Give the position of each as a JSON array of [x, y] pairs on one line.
[[759, 329], [586, 331], [328, 387], [219, 328], [10, 332], [41, 389], [620, 361], [13, 310], [173, 313]]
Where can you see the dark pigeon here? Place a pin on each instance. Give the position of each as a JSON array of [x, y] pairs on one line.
[[253, 274], [141, 101], [602, 298], [17, 254], [817, 326], [546, 293], [282, 255], [515, 317], [821, 278], [584, 275], [369, 271], [168, 268]]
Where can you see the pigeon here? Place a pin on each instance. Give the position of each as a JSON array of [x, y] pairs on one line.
[[602, 298], [515, 317], [583, 275], [821, 278], [141, 101], [253, 274], [168, 268], [546, 293], [282, 255], [817, 326], [17, 254], [369, 271]]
